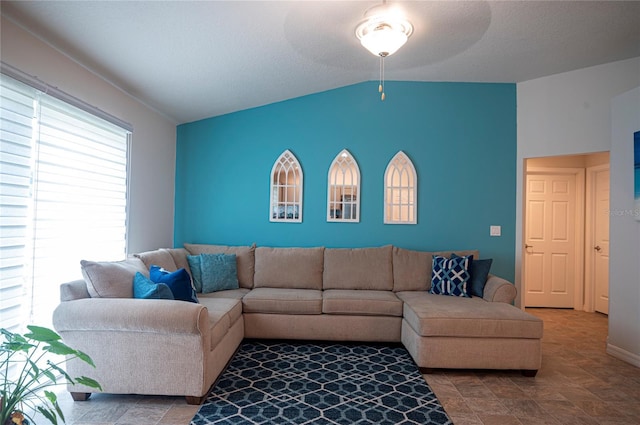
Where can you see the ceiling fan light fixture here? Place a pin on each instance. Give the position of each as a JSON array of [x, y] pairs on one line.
[[383, 30]]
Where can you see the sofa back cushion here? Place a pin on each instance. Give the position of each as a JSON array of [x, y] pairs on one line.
[[112, 279], [245, 256], [412, 269], [180, 258], [447, 254], [159, 257], [294, 268], [358, 268]]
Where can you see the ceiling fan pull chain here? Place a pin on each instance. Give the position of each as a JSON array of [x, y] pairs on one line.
[[381, 85]]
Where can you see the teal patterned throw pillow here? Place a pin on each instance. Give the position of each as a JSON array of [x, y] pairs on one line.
[[196, 273], [450, 276], [144, 288], [219, 272]]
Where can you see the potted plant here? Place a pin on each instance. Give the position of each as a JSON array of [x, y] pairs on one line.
[[35, 372]]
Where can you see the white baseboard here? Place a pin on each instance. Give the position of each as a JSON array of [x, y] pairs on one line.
[[623, 355]]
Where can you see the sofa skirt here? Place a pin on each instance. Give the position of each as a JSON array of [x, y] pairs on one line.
[[322, 327], [472, 353]]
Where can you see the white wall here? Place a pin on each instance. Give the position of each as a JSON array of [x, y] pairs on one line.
[[624, 292], [570, 113], [566, 114], [154, 135]]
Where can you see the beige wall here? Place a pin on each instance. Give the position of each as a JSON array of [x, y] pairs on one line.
[[154, 135]]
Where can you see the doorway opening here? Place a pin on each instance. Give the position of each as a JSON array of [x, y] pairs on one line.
[[566, 232]]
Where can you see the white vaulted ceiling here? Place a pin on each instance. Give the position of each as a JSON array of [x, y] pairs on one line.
[[196, 59]]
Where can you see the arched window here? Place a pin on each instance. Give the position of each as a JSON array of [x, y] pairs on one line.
[[401, 191], [286, 189], [343, 189]]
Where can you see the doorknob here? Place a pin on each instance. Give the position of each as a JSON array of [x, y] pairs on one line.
[[528, 246], [597, 248]]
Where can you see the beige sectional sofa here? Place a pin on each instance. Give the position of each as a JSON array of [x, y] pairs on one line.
[[365, 294]]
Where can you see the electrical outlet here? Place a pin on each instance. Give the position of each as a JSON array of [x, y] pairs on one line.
[[495, 230]]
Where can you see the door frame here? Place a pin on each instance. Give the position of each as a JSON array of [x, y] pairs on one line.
[[589, 284], [579, 173]]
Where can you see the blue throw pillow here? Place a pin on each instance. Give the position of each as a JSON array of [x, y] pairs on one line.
[[479, 275], [219, 272], [144, 288], [179, 282], [196, 273], [450, 275]]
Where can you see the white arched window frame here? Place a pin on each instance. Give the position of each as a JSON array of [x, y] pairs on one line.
[[401, 191], [286, 189], [343, 189]]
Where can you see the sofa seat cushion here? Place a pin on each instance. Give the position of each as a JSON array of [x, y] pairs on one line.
[[283, 301], [439, 315], [235, 294], [299, 268], [223, 313], [361, 302]]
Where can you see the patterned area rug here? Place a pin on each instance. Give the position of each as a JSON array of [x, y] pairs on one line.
[[321, 383]]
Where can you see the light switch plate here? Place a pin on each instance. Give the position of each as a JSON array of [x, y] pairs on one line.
[[495, 230]]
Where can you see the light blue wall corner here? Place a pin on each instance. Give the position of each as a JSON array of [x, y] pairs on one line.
[[461, 138]]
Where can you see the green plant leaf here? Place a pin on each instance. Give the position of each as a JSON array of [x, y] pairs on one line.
[[59, 410], [60, 370], [88, 382], [51, 396], [53, 399], [34, 366], [85, 358], [49, 414], [6, 333], [50, 375], [17, 346], [57, 347], [39, 333]]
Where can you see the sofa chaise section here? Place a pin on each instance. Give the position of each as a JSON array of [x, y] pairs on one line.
[[469, 333]]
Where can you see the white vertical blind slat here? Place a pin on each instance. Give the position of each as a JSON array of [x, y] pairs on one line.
[[16, 116]]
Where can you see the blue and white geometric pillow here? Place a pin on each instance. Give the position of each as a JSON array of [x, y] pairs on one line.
[[450, 276]]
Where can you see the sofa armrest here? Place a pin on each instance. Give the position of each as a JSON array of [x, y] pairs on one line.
[[74, 290], [132, 315], [498, 289]]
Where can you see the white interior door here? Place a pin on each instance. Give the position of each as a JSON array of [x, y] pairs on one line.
[[601, 240], [549, 260]]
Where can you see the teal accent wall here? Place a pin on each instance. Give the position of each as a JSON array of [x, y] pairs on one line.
[[461, 138]]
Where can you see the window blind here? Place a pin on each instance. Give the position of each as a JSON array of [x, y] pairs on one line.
[[16, 116], [77, 205]]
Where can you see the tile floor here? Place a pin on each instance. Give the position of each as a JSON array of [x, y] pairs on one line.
[[578, 384]]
